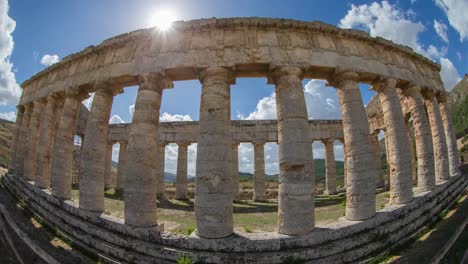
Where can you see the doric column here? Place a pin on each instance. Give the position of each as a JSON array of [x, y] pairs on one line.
[[360, 191], [14, 141], [296, 178], [259, 194], [181, 177], [121, 167], [330, 167], [108, 178], [423, 139], [46, 140], [62, 151], [94, 148], [344, 164], [235, 171], [141, 182], [213, 187], [34, 126], [401, 187], [379, 180], [449, 135], [23, 143], [409, 133], [438, 136], [160, 170]]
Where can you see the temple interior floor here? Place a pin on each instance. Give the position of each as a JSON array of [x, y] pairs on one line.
[[178, 216]]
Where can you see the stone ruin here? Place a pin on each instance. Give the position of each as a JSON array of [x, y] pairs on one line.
[[216, 52]]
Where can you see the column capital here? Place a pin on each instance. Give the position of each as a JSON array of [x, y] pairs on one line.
[[235, 144], [183, 143], [442, 96], [108, 86], [277, 71], [157, 81], [163, 144], [341, 75], [327, 141], [76, 92], [20, 108], [412, 90], [258, 143], [381, 83], [122, 142], [427, 93], [221, 72]]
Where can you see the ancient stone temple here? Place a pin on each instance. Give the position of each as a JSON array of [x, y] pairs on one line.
[[216, 52]]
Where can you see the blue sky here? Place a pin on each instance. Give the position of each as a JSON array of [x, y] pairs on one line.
[[34, 34]]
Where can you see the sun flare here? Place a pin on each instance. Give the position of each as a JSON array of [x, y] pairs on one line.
[[162, 19]]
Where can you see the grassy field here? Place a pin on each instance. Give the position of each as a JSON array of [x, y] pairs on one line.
[[249, 216]]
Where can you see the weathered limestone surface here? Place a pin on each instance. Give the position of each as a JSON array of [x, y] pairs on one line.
[[141, 181], [62, 152], [181, 177], [438, 137], [360, 185], [213, 183], [46, 140], [235, 171], [94, 150], [14, 141], [295, 192], [423, 139], [121, 168], [379, 180], [109, 182], [160, 170], [409, 133], [399, 160], [33, 134], [259, 172], [449, 136], [330, 168]]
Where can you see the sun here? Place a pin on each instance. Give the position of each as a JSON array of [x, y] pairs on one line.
[[162, 19]]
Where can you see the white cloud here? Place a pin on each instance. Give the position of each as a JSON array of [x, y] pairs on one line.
[[459, 55], [88, 102], [131, 109], [388, 21], [456, 11], [10, 116], [9, 89], [166, 117], [266, 109], [449, 74], [322, 102], [441, 30], [170, 164], [48, 60], [413, 1], [115, 119]]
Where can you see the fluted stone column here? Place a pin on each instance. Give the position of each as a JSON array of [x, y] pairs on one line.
[[259, 194], [160, 171], [344, 164], [296, 178], [34, 127], [62, 151], [14, 141], [409, 133], [23, 143], [46, 140], [379, 180], [94, 149], [141, 181], [108, 178], [330, 167], [213, 187], [449, 136], [235, 171], [401, 187], [360, 191], [181, 177], [121, 167], [438, 137], [423, 139]]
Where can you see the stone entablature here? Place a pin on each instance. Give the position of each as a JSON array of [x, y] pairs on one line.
[[248, 46], [242, 131]]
